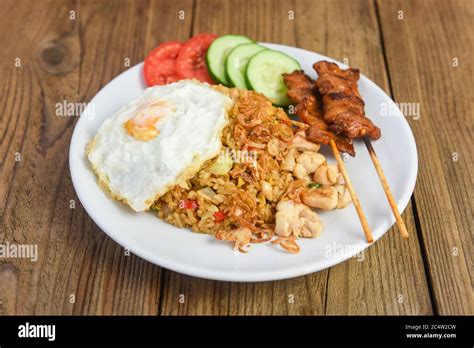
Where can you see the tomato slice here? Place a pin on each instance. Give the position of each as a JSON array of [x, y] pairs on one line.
[[160, 64], [191, 62]]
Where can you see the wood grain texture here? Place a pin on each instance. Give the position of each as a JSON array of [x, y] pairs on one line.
[[391, 278], [66, 60], [420, 49]]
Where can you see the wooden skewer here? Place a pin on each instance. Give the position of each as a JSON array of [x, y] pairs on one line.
[[355, 199], [386, 188]]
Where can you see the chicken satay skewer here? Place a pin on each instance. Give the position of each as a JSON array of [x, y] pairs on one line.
[[345, 112], [355, 199], [308, 109], [350, 188], [386, 188]]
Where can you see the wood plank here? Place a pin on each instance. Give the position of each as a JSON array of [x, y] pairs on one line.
[[12, 125], [420, 49], [66, 60], [33, 172], [354, 287], [184, 295], [168, 20], [8, 288]]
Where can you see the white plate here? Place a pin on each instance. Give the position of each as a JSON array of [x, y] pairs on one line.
[[201, 255]]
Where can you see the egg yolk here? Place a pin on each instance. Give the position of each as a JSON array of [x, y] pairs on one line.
[[142, 126]]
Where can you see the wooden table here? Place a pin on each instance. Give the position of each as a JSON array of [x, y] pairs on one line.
[[417, 51]]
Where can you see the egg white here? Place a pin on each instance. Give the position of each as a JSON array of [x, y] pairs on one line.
[[139, 172]]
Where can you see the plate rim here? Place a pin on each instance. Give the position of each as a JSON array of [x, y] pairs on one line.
[[303, 269]]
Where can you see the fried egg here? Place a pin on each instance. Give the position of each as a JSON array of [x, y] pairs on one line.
[[159, 140]]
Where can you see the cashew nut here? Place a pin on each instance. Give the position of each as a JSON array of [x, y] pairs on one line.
[[310, 160], [327, 175], [289, 162], [307, 163], [312, 224], [296, 219], [299, 171], [325, 198], [343, 196]]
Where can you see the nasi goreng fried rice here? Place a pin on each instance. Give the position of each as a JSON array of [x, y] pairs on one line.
[[262, 186]]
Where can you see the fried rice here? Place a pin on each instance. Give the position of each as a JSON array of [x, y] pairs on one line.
[[242, 186]]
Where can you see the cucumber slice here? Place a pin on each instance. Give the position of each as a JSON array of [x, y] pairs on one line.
[[264, 75], [217, 54], [236, 63]]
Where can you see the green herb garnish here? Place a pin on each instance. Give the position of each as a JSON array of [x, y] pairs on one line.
[[314, 184]]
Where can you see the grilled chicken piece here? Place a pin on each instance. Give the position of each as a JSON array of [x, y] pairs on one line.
[[309, 111], [343, 105], [299, 86], [302, 92], [324, 137]]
